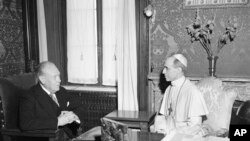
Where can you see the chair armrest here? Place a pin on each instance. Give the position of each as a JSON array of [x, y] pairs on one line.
[[152, 119], [36, 133], [224, 133]]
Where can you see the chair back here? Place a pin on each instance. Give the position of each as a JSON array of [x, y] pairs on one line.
[[11, 89]]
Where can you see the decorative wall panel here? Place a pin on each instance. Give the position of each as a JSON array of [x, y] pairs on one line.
[[168, 35], [11, 38]]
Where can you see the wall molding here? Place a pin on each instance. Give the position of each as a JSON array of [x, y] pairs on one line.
[[90, 88], [242, 87], [193, 4]]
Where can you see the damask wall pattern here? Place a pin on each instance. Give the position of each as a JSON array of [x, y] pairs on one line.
[[168, 35], [11, 38]]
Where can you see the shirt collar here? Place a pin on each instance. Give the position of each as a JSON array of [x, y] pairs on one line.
[[46, 90], [178, 81]]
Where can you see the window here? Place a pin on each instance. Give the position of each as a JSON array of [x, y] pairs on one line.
[[91, 42]]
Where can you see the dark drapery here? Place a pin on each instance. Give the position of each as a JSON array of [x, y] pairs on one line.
[[142, 30], [30, 36], [55, 19]]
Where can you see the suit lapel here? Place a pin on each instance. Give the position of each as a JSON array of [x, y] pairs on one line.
[[62, 100], [46, 102]]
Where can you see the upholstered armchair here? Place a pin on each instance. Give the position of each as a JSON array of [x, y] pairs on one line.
[[10, 90], [219, 100]]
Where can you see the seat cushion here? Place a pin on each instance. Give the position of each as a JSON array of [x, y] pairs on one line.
[[219, 102]]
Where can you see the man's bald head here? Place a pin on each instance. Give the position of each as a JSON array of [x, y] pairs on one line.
[[46, 67], [49, 76]]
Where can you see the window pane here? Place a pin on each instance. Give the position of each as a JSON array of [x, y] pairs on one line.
[[82, 41], [109, 42]]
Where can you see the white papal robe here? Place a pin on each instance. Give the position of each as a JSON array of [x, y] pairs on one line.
[[183, 100]]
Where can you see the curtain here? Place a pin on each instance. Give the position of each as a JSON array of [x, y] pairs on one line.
[[126, 56], [109, 39], [82, 42], [43, 54], [55, 19]]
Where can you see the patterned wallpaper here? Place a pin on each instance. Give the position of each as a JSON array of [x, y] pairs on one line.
[[11, 38], [168, 35]]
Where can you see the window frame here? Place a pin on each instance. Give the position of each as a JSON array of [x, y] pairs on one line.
[[99, 21], [99, 41]]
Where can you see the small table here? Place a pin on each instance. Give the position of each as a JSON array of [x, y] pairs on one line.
[[134, 119]]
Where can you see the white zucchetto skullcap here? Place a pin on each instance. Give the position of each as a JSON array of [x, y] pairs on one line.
[[181, 58]]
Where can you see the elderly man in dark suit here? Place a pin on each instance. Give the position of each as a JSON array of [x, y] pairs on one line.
[[47, 105]]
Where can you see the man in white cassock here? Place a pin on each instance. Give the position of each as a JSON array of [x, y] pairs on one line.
[[183, 104]]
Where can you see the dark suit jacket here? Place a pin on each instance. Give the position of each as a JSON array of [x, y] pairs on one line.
[[38, 111]]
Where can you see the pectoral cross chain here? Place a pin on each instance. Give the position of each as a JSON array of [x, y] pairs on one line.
[[170, 110]]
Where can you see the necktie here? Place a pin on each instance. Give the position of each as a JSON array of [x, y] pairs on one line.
[[53, 96]]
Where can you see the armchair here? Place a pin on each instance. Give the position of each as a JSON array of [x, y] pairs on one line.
[[220, 101], [10, 90]]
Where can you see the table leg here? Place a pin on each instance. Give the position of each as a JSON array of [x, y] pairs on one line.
[[144, 127]]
